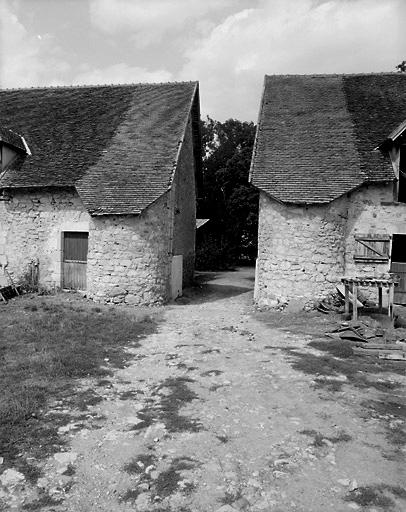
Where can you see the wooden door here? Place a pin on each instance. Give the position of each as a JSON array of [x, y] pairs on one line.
[[398, 266], [74, 263], [399, 269]]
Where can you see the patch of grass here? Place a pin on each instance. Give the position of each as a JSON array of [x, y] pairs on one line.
[[43, 501], [318, 437], [338, 359], [131, 495], [167, 409], [167, 481], [230, 498], [83, 399], [46, 345], [380, 495], [139, 464], [170, 405], [148, 418], [389, 410]]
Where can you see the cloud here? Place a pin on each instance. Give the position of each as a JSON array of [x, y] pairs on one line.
[[26, 60], [147, 21], [291, 36], [120, 74]]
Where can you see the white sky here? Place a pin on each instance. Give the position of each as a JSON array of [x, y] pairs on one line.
[[228, 45]]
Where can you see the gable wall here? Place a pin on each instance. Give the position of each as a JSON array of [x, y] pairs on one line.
[[300, 251], [127, 257], [184, 194], [304, 251]]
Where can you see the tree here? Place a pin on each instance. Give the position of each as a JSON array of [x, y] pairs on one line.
[[402, 67], [226, 197]]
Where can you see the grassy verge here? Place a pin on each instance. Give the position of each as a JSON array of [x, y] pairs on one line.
[[46, 345]]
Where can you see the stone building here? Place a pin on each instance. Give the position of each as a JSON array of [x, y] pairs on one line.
[[330, 163], [97, 188]]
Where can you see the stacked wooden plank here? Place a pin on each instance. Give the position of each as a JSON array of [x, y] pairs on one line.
[[370, 339]]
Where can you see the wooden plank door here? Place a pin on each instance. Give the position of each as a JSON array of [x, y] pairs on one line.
[[74, 263], [400, 290], [398, 266]]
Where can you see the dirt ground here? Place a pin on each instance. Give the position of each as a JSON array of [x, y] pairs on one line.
[[224, 408]]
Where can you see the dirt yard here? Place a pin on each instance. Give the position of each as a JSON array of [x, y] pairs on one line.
[[226, 409]]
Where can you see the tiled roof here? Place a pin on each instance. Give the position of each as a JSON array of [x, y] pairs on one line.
[[317, 134], [118, 145], [12, 138]]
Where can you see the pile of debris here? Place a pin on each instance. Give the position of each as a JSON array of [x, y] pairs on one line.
[[334, 303], [372, 338]]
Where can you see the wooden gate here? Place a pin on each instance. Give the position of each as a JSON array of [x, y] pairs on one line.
[[400, 290], [74, 263]]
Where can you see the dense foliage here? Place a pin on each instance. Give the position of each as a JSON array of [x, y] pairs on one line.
[[226, 197]]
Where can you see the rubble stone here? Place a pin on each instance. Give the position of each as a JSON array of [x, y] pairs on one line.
[[11, 478]]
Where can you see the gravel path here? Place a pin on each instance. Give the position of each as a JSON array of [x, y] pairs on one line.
[[215, 414]]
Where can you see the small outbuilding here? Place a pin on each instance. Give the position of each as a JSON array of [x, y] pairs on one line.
[[330, 163], [98, 188]]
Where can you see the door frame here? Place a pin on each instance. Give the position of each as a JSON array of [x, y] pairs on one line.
[[70, 229], [396, 262]]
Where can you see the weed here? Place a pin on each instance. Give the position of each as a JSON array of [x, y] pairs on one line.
[[167, 481], [41, 503], [169, 412], [318, 438], [380, 495], [131, 495], [389, 410], [338, 360], [139, 464]]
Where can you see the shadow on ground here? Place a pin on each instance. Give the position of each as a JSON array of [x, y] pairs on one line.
[[213, 286]]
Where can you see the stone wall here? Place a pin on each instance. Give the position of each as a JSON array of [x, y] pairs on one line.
[[300, 251], [304, 251], [371, 210], [128, 257], [31, 227], [184, 194]]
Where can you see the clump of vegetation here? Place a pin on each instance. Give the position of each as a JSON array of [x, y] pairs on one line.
[[319, 438], [380, 495], [167, 409], [167, 482]]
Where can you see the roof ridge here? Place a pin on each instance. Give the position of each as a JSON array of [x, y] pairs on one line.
[[316, 75], [84, 86]]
